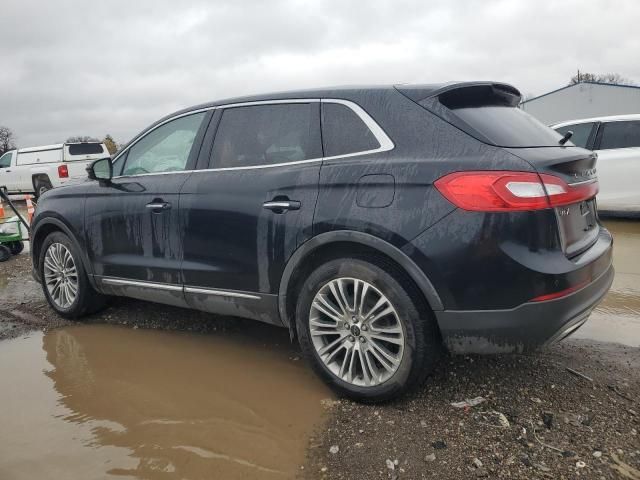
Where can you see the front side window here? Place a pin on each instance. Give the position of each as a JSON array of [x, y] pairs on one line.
[[620, 135], [5, 160], [581, 133], [165, 149], [262, 135], [344, 132]]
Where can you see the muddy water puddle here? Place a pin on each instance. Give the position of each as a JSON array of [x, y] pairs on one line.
[[617, 318], [101, 401]]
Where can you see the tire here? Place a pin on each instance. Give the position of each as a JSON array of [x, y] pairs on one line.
[[16, 247], [41, 186], [417, 343], [86, 300], [5, 253]]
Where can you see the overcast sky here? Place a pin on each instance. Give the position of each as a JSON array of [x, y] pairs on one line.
[[78, 67]]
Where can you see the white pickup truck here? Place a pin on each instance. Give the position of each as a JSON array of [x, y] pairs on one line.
[[38, 169]]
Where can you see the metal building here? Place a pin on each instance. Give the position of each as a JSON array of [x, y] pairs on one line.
[[584, 100]]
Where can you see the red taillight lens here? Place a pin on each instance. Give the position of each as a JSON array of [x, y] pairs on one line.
[[500, 191], [63, 171]]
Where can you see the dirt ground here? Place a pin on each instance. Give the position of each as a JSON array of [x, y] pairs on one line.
[[536, 418]]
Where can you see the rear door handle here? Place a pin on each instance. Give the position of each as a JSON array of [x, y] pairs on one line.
[[158, 205], [281, 206]]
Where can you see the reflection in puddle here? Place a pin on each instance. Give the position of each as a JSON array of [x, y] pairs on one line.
[[617, 318], [96, 401]]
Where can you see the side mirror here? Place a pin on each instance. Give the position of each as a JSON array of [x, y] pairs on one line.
[[101, 170]]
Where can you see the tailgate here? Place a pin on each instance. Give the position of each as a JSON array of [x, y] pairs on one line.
[[577, 222]]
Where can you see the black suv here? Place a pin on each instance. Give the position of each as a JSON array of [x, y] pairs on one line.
[[376, 224]]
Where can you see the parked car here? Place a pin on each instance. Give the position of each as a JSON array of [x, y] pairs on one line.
[[617, 142], [38, 169], [376, 224]]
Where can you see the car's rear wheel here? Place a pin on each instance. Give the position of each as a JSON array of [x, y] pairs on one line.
[[42, 185], [64, 279], [365, 329]]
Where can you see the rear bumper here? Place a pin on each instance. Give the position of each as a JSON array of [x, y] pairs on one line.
[[525, 327]]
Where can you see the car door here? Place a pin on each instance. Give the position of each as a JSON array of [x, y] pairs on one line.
[[8, 174], [132, 224], [252, 207], [618, 148]]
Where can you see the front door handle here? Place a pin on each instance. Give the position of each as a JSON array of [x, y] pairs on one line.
[[281, 206], [159, 205]]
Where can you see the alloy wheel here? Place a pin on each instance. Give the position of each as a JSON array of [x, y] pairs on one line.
[[356, 332], [60, 275]]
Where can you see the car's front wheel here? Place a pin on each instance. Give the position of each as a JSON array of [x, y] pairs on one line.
[[64, 279], [365, 329]]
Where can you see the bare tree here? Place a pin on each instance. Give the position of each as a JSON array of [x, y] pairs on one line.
[[82, 138], [7, 140], [616, 78]]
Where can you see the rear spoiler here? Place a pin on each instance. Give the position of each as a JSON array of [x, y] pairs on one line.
[[420, 93]]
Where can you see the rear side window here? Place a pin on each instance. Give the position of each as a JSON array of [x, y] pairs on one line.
[[267, 135], [85, 148], [490, 114], [344, 132], [620, 135], [581, 133], [5, 160]]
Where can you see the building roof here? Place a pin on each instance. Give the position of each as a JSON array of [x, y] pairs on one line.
[[581, 83]]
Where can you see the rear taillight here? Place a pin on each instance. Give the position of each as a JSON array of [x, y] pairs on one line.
[[63, 171], [501, 191]]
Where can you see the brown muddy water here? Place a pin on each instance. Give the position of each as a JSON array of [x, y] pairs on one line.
[[99, 401]]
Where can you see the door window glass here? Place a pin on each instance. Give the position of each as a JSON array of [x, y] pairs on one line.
[[344, 132], [165, 149], [5, 160], [620, 135], [266, 135], [581, 133]]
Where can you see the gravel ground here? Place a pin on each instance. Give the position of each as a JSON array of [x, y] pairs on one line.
[[535, 419]]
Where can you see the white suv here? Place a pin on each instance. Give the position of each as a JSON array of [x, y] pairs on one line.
[[38, 169], [617, 142]]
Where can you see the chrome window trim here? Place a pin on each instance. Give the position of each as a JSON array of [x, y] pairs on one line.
[[386, 144]]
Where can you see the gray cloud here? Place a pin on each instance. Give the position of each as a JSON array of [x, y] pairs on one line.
[[88, 68]]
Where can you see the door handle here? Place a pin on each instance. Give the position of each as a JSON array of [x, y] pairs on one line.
[[158, 205], [281, 206]]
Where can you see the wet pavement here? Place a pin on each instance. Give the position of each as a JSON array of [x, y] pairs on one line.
[[617, 318], [97, 401]]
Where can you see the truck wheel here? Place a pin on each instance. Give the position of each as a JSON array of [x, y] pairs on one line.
[[16, 247], [5, 253], [64, 279], [365, 329], [42, 186]]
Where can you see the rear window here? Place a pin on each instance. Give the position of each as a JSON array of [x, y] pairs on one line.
[[85, 148], [490, 114], [581, 133], [344, 132], [620, 135]]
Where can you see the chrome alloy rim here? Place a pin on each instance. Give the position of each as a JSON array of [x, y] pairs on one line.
[[60, 275], [356, 332]]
